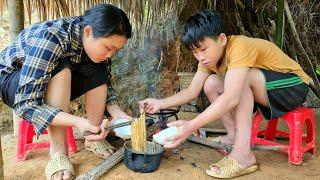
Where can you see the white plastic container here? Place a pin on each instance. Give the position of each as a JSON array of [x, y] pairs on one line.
[[161, 136], [123, 132]]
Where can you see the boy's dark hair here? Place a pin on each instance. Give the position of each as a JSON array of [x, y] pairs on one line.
[[206, 23], [107, 20]]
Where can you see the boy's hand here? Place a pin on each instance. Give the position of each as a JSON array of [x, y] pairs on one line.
[[99, 132], [184, 131], [151, 105]]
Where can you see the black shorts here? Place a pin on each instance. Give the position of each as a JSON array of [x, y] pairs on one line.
[[285, 91], [85, 76]]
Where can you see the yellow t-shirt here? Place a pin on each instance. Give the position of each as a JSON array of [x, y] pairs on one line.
[[244, 51]]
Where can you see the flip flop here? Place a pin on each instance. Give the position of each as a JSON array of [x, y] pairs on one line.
[[230, 168]]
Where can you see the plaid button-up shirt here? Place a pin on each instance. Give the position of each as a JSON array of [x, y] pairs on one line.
[[35, 52]]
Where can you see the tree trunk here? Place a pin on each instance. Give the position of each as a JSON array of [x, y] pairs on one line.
[[16, 18]]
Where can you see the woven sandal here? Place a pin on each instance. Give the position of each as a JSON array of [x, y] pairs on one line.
[[229, 168], [99, 147], [59, 162]]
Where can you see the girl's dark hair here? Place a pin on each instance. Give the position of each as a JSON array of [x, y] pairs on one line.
[[107, 20], [206, 23]]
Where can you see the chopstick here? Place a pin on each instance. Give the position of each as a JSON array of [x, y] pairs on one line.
[[87, 133]]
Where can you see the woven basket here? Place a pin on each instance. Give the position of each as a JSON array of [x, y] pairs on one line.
[[185, 79]]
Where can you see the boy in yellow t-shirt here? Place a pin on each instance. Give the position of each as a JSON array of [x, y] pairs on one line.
[[239, 75]]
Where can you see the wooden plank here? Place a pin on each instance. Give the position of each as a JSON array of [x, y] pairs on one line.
[[103, 167], [204, 141], [267, 148], [214, 130], [228, 148]]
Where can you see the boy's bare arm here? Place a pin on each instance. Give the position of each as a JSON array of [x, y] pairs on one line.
[[234, 82], [188, 94], [152, 105]]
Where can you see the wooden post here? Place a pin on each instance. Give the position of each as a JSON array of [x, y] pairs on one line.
[[16, 15], [16, 26], [16, 18]]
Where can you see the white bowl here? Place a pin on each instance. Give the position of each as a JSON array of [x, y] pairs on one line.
[[161, 136], [123, 132]]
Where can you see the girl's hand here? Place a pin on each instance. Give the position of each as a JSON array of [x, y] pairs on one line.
[[99, 132], [184, 131]]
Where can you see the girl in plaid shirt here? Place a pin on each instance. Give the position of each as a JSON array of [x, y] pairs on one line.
[[54, 62]]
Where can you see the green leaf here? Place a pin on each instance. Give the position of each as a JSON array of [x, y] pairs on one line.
[[318, 69]]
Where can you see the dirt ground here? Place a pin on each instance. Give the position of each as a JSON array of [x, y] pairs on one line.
[[189, 163]]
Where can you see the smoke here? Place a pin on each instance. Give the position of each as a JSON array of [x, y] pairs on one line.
[[136, 68]]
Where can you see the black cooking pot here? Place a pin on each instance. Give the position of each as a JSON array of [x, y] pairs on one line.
[[143, 162]]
